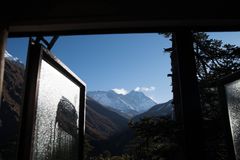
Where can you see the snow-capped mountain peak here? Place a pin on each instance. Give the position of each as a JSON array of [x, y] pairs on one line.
[[10, 57], [134, 101], [139, 100]]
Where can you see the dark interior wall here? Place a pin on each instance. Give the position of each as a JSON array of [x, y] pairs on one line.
[[110, 9], [114, 16]]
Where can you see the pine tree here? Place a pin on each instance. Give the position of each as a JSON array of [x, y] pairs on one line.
[[155, 138]]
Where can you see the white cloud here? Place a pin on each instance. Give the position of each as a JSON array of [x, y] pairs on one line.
[[120, 91], [145, 89]]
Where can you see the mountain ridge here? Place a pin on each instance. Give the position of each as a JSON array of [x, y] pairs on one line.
[[159, 110], [132, 103]]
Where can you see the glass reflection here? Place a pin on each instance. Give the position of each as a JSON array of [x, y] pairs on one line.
[[56, 126], [233, 102]]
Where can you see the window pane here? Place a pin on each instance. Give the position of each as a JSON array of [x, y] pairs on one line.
[[56, 126], [233, 102]]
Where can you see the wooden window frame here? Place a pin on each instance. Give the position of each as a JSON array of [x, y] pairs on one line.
[[37, 53]]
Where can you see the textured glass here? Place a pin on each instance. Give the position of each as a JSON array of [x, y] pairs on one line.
[[56, 126], [233, 102]]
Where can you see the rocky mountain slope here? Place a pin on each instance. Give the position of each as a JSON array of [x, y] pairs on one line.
[[12, 98], [159, 110], [102, 123]]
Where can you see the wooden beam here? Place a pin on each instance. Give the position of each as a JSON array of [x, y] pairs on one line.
[[3, 38], [52, 42], [29, 105], [175, 83], [82, 121], [189, 95]]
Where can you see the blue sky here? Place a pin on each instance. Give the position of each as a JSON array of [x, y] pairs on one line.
[[118, 61], [226, 37]]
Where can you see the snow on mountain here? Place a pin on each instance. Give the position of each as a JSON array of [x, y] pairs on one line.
[[139, 101], [120, 91], [134, 102], [12, 58], [110, 99]]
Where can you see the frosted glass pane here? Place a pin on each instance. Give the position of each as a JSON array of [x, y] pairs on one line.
[[56, 127], [233, 102]]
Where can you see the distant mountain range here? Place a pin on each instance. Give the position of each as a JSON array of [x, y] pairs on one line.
[[131, 104]]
